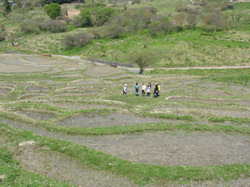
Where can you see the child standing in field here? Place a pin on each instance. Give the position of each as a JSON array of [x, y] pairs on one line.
[[148, 89], [125, 89], [143, 89], [136, 89]]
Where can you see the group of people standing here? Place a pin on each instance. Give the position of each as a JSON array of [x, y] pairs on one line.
[[145, 89]]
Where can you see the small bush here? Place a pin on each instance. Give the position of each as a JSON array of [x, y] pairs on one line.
[[77, 21], [77, 40], [137, 1], [181, 8], [2, 36], [53, 26], [30, 27], [114, 31], [90, 17], [163, 26]]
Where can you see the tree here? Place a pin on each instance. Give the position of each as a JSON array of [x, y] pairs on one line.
[[214, 21], [7, 6], [53, 10], [162, 26], [76, 40], [179, 19], [143, 60], [192, 19]]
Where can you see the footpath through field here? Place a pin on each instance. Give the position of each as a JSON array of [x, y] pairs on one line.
[[149, 69]]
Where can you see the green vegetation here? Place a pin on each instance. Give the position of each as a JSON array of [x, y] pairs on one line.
[[46, 94], [178, 37], [16, 176], [53, 10], [240, 76]]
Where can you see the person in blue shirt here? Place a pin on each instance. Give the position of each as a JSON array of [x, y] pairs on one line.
[[136, 89]]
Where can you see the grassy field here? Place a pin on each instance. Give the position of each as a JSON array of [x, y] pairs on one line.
[[65, 122], [177, 49]]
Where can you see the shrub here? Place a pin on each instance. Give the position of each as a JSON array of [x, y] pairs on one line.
[[29, 3], [53, 10], [162, 26], [77, 21], [2, 36], [192, 19], [214, 21], [137, 1], [103, 15], [29, 27], [93, 17], [77, 40], [96, 32], [179, 20], [114, 30], [7, 6], [60, 1], [181, 8], [53, 26]]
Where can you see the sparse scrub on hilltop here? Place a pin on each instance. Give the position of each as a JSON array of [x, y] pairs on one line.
[[161, 26], [36, 26], [90, 17], [53, 26], [130, 21], [77, 40]]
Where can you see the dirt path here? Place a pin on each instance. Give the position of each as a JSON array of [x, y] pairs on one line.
[[149, 69]]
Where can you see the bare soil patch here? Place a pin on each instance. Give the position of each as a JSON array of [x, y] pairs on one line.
[[175, 149], [37, 115], [4, 90], [85, 82], [244, 102], [242, 90], [31, 96], [21, 69], [208, 85], [169, 149], [101, 71], [232, 113], [242, 182], [77, 106], [95, 120], [58, 166], [73, 12], [211, 93], [36, 88]]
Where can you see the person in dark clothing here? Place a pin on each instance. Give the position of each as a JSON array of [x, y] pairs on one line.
[[156, 91]]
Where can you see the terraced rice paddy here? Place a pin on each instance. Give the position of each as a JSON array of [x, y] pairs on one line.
[[84, 132]]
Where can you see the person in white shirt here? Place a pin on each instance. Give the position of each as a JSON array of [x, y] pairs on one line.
[[148, 89], [125, 89], [143, 89]]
